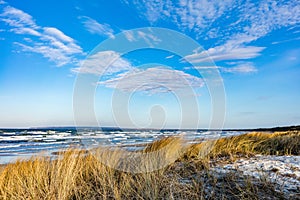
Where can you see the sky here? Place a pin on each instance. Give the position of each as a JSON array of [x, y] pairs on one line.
[[150, 64]]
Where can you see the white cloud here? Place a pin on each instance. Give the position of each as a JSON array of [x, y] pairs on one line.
[[25, 30], [2, 2], [284, 41], [204, 67], [254, 19], [239, 68], [61, 53], [171, 56], [199, 14], [186, 14], [57, 34], [149, 38], [153, 10], [53, 54], [243, 68], [271, 15], [118, 73], [104, 63], [95, 27], [129, 35], [258, 20], [247, 21], [225, 52], [21, 22], [59, 40], [50, 42], [153, 80], [235, 67], [17, 18], [27, 39]]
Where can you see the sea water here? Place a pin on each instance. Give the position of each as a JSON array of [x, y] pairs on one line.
[[25, 143]]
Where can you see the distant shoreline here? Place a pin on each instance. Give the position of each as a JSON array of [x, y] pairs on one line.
[[87, 128]]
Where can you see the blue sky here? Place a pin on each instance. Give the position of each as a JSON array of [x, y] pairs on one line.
[[253, 45]]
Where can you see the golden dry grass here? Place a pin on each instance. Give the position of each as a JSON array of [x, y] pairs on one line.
[[82, 175], [278, 143]]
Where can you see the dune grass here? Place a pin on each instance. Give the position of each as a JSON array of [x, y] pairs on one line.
[[278, 143], [82, 175]]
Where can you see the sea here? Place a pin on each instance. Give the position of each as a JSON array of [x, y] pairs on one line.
[[16, 144]]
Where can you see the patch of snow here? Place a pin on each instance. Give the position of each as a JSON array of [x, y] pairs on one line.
[[284, 171]]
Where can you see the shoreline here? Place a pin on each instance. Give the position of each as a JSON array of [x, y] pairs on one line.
[[82, 128]]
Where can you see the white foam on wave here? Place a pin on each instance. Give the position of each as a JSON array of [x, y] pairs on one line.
[[9, 146]]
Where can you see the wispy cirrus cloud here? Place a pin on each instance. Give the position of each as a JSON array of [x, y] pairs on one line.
[[148, 37], [186, 14], [54, 32], [153, 80], [267, 16], [234, 68], [284, 41], [245, 22], [95, 27], [104, 63], [53, 54], [129, 35], [243, 68], [170, 56], [50, 42], [25, 31], [225, 52], [251, 18], [20, 21], [119, 73]]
